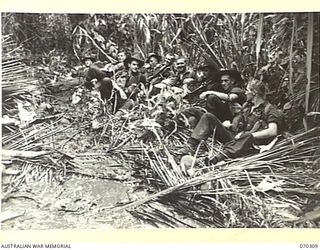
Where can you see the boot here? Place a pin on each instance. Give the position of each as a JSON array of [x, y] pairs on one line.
[[214, 160]]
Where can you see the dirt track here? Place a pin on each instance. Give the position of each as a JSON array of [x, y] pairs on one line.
[[76, 200]]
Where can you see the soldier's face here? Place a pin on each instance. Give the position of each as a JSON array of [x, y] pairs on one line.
[[200, 75], [87, 62], [153, 61], [181, 65], [227, 82], [169, 60], [206, 73], [134, 66], [121, 56], [253, 92], [255, 96], [122, 81]]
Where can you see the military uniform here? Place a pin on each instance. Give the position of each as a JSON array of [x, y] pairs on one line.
[[254, 119], [116, 69], [226, 110], [151, 71], [159, 73], [201, 86], [223, 110], [105, 88], [131, 89], [258, 118], [180, 77]]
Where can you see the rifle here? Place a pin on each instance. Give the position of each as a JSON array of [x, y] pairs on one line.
[[161, 70], [202, 86]]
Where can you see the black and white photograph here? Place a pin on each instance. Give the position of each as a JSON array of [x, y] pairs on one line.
[[160, 120]]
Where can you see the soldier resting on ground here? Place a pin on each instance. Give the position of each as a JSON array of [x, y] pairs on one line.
[[223, 100], [133, 83], [99, 78], [262, 121]]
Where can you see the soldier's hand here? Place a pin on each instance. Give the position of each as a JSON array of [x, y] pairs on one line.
[[188, 81], [168, 81], [132, 87], [227, 124], [122, 94], [238, 135], [203, 95]]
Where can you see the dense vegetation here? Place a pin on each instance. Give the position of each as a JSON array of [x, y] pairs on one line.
[[40, 51], [283, 47]]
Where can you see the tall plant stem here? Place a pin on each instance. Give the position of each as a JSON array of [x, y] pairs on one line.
[[309, 64], [291, 55], [259, 39]]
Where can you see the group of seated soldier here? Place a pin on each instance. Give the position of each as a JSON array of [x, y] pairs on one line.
[[132, 72], [220, 106]]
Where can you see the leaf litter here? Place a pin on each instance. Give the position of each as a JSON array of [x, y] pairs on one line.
[[105, 172]]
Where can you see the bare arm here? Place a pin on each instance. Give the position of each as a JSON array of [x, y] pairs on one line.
[[222, 96], [271, 131], [185, 89], [121, 92]]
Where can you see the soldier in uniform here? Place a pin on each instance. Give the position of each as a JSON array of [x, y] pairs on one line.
[[206, 80], [184, 76], [133, 79], [223, 98], [115, 69], [154, 64], [262, 122], [223, 104], [163, 72], [95, 78]]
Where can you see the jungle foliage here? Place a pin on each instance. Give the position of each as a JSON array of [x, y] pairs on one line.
[[281, 48], [278, 187]]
